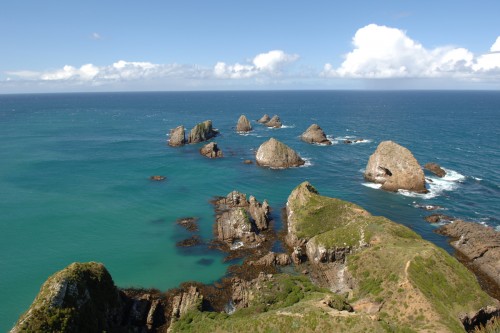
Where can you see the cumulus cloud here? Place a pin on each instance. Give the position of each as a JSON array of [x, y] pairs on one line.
[[384, 52], [270, 63]]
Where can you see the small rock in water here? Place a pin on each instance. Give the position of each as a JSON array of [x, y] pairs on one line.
[[435, 169], [437, 218], [248, 162], [190, 223], [192, 241], [157, 178]]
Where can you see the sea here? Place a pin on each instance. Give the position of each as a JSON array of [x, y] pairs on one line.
[[75, 169]]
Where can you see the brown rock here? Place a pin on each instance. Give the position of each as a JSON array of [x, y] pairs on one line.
[[157, 178], [177, 137], [248, 162], [435, 169], [202, 132], [185, 302], [243, 124], [265, 118], [211, 150], [275, 154], [190, 223], [314, 134], [395, 168], [192, 241], [274, 122], [436, 218], [272, 259]]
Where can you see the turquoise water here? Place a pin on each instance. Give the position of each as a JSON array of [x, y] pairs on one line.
[[74, 173]]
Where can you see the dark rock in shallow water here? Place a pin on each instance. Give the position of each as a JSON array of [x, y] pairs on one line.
[[211, 150], [205, 261], [192, 241], [435, 169], [395, 168], [157, 178], [353, 141], [190, 223], [314, 134], [437, 218], [202, 132], [243, 124]]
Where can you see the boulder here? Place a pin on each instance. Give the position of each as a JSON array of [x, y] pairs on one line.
[[314, 134], [202, 132], [479, 244], [211, 150], [274, 122], [395, 168], [265, 118], [243, 124], [177, 137], [435, 169], [275, 154]]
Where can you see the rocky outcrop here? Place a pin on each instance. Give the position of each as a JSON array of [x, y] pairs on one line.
[[190, 223], [272, 259], [274, 122], [243, 124], [211, 150], [202, 132], [474, 321], [265, 118], [479, 244], [435, 169], [177, 137], [275, 154], [185, 302], [83, 298], [438, 218], [239, 221], [314, 134], [395, 168]]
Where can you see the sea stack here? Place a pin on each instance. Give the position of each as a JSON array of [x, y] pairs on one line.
[[275, 122], [265, 118], [177, 137], [211, 150], [395, 168], [243, 124], [435, 169], [202, 132], [314, 134], [275, 154]]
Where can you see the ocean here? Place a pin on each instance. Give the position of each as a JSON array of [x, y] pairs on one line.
[[75, 168]]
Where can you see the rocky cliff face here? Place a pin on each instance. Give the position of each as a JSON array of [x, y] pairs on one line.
[[275, 154], [186, 301], [202, 132], [314, 134], [177, 137], [211, 150], [243, 124], [83, 298], [395, 168], [239, 221]]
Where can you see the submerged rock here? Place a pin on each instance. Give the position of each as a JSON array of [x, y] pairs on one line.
[[276, 154], [177, 137], [157, 178], [395, 168], [190, 223], [265, 118], [435, 169], [211, 150], [243, 124], [191, 241], [314, 134], [274, 122], [202, 132]]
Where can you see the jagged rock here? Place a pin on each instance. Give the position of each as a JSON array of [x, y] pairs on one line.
[[272, 259], [479, 244], [202, 132], [435, 169], [265, 118], [243, 124], [314, 134], [320, 254], [239, 220], [395, 168], [274, 122], [474, 321], [157, 178], [190, 223], [276, 154], [83, 298], [211, 150], [177, 137], [243, 291], [437, 218], [185, 302]]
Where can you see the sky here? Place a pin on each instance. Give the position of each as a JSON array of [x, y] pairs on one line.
[[162, 45]]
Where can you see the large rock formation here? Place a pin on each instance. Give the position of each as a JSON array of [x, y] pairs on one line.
[[314, 134], [479, 244], [186, 301], [435, 169], [274, 122], [211, 150], [177, 136], [243, 124], [276, 154], [395, 168], [265, 118], [202, 132], [83, 298], [239, 221]]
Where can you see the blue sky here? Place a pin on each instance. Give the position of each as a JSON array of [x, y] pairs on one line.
[[52, 46]]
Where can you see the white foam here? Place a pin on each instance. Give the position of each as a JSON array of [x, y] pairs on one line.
[[372, 185], [477, 178], [497, 228], [453, 176], [308, 162], [288, 126], [236, 245], [437, 186]]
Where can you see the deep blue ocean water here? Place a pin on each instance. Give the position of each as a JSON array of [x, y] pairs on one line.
[[74, 173]]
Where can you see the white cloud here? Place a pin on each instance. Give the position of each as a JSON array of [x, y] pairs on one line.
[[95, 36], [384, 52], [496, 46], [270, 63]]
